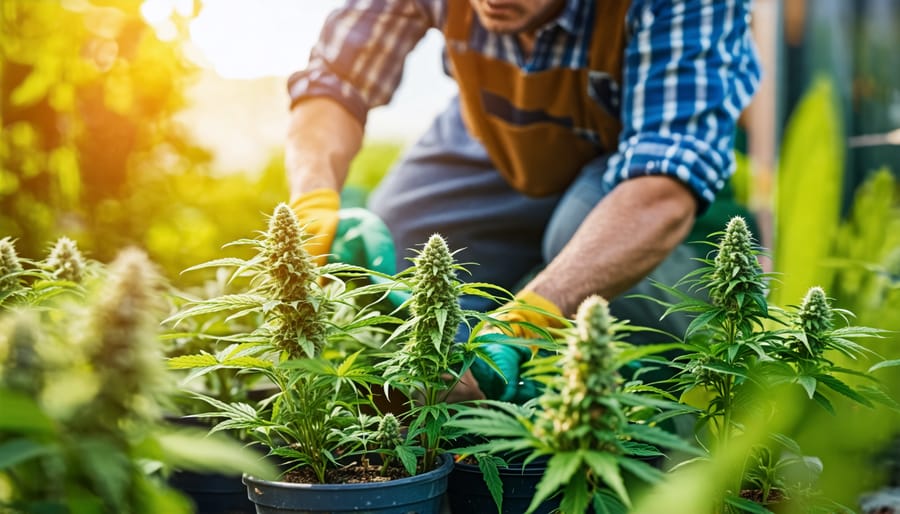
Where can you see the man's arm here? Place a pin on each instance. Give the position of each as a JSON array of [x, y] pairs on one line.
[[690, 68], [623, 238], [323, 137]]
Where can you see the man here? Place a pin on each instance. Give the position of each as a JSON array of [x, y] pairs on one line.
[[585, 139]]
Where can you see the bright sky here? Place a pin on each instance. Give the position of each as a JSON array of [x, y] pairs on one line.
[[246, 40]]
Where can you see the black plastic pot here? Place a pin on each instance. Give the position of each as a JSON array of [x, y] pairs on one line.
[[210, 493], [467, 491], [213, 493], [420, 494]]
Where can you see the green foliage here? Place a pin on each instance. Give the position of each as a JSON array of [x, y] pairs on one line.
[[308, 331], [83, 388], [866, 271], [87, 96], [740, 348], [854, 259], [808, 194], [429, 352], [595, 429]]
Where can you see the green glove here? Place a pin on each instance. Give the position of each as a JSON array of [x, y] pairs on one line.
[[362, 239], [506, 386], [527, 309]]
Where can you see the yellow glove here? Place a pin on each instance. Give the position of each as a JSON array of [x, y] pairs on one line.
[[318, 214], [500, 380], [526, 310]]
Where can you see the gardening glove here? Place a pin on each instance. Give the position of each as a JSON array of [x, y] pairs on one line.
[[364, 240], [503, 383], [317, 211]]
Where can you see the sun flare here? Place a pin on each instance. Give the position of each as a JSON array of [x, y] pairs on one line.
[[243, 39]]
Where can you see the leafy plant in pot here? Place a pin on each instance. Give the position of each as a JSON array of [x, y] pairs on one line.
[[595, 430], [738, 350], [82, 389], [315, 346]]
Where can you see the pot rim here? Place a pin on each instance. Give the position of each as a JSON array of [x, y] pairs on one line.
[[445, 468]]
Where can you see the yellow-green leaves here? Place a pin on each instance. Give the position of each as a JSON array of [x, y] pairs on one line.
[[808, 194]]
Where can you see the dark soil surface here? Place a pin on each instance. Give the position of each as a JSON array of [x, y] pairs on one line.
[[755, 495], [351, 474]]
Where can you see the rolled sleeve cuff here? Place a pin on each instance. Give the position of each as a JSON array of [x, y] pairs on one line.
[[311, 84], [702, 168]]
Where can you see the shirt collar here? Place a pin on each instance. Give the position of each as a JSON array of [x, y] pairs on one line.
[[572, 15]]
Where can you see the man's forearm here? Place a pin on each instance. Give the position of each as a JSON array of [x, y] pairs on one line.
[[621, 241], [322, 140]]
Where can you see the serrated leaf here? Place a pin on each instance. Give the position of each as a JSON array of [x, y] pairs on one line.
[[885, 364], [191, 361], [824, 402], [842, 388], [606, 467], [606, 503], [808, 383], [560, 469], [407, 458], [576, 496], [487, 464]]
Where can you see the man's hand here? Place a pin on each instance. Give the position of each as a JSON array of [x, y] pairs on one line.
[[317, 211], [498, 377]]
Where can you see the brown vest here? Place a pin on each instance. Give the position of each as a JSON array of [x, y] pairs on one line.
[[530, 123]]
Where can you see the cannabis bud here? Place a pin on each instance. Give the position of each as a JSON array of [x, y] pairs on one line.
[[10, 266], [737, 275], [388, 434], [435, 304], [124, 350], [815, 319], [65, 261], [298, 325], [576, 407]]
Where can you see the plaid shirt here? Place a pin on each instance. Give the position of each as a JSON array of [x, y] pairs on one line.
[[690, 69]]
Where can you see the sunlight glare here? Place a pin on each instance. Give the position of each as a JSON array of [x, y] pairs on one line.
[[241, 39]]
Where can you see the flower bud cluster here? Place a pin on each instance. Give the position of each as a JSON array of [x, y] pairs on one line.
[[388, 434], [435, 304], [9, 265], [298, 326], [576, 410], [122, 346], [815, 319], [737, 273], [65, 261]]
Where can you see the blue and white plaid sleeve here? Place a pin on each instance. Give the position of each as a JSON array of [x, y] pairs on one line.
[[690, 69], [358, 59]]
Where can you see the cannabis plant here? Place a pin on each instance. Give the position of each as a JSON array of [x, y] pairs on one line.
[[725, 339], [309, 336], [595, 429], [82, 388], [739, 348], [432, 356], [25, 282]]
